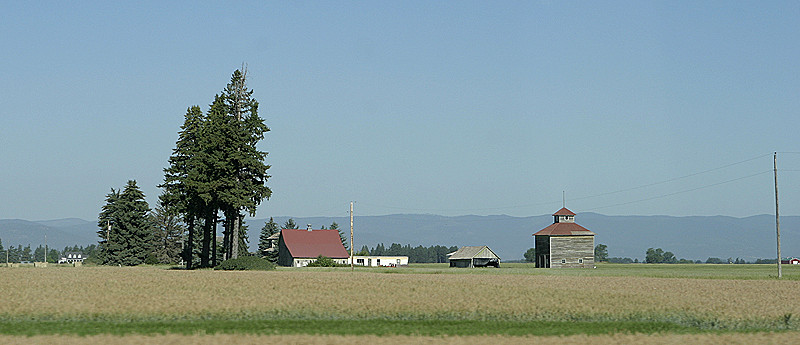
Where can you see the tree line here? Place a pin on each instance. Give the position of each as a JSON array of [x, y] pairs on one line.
[[418, 254], [27, 254], [215, 175], [653, 256]]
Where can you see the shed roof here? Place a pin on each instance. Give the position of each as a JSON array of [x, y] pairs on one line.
[[564, 212], [564, 229], [311, 244], [471, 252]]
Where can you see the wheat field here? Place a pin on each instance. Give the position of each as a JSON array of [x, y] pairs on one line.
[[744, 310], [152, 291]]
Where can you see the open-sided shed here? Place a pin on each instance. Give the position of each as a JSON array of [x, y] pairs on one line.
[[474, 256]]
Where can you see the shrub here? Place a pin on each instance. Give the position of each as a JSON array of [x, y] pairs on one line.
[[246, 263], [324, 261]]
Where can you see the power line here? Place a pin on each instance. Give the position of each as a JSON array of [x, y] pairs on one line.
[[590, 196], [672, 179], [683, 191]]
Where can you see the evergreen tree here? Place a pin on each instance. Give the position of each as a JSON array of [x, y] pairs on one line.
[[26, 254], [53, 255], [217, 167], [185, 180], [290, 224], [130, 237], [167, 234], [244, 240], [335, 226], [265, 246], [38, 254], [246, 172], [14, 253]]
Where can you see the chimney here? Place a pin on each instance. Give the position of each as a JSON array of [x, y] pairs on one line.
[[308, 227]]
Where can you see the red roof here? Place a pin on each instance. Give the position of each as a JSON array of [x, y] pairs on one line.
[[311, 244], [564, 229], [564, 212]]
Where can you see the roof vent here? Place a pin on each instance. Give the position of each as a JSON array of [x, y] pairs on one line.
[[308, 227]]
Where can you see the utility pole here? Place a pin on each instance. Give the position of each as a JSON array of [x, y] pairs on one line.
[[777, 217], [45, 248], [352, 267]]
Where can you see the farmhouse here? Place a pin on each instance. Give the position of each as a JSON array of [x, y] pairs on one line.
[[380, 261], [564, 243], [474, 256], [791, 261], [71, 258], [298, 248]]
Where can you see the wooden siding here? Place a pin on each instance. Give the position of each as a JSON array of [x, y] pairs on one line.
[[571, 249]]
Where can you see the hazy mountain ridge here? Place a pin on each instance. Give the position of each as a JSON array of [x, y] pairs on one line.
[[691, 237], [60, 232]]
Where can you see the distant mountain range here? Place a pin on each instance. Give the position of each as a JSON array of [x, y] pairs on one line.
[[697, 237], [60, 233]]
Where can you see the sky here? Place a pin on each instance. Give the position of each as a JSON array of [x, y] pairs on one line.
[[450, 108]]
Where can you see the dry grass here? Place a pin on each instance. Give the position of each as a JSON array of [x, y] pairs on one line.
[[756, 338], [153, 292]]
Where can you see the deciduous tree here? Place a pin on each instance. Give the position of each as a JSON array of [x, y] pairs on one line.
[[530, 255], [600, 253]]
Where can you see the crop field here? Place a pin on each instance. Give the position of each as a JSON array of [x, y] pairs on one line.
[[421, 304]]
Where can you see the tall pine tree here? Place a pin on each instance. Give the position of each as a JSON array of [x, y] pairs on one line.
[[184, 179], [243, 161], [217, 167]]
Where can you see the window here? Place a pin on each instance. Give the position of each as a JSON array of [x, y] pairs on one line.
[[563, 261], [377, 262], [580, 261]]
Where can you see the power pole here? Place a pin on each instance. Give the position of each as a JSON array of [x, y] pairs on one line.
[[45, 248], [352, 267], [777, 217]]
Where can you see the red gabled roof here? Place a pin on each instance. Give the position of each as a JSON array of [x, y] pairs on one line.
[[564, 212], [311, 244], [564, 229]]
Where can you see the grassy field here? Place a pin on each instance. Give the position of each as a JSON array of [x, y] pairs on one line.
[[426, 302]]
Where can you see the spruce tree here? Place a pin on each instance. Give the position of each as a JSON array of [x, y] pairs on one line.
[[290, 224], [335, 226], [168, 233], [185, 178], [246, 173], [131, 236], [265, 246]]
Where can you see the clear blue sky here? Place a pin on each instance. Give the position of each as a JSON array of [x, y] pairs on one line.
[[413, 107]]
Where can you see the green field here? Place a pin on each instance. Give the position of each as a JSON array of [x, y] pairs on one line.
[[430, 300]]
